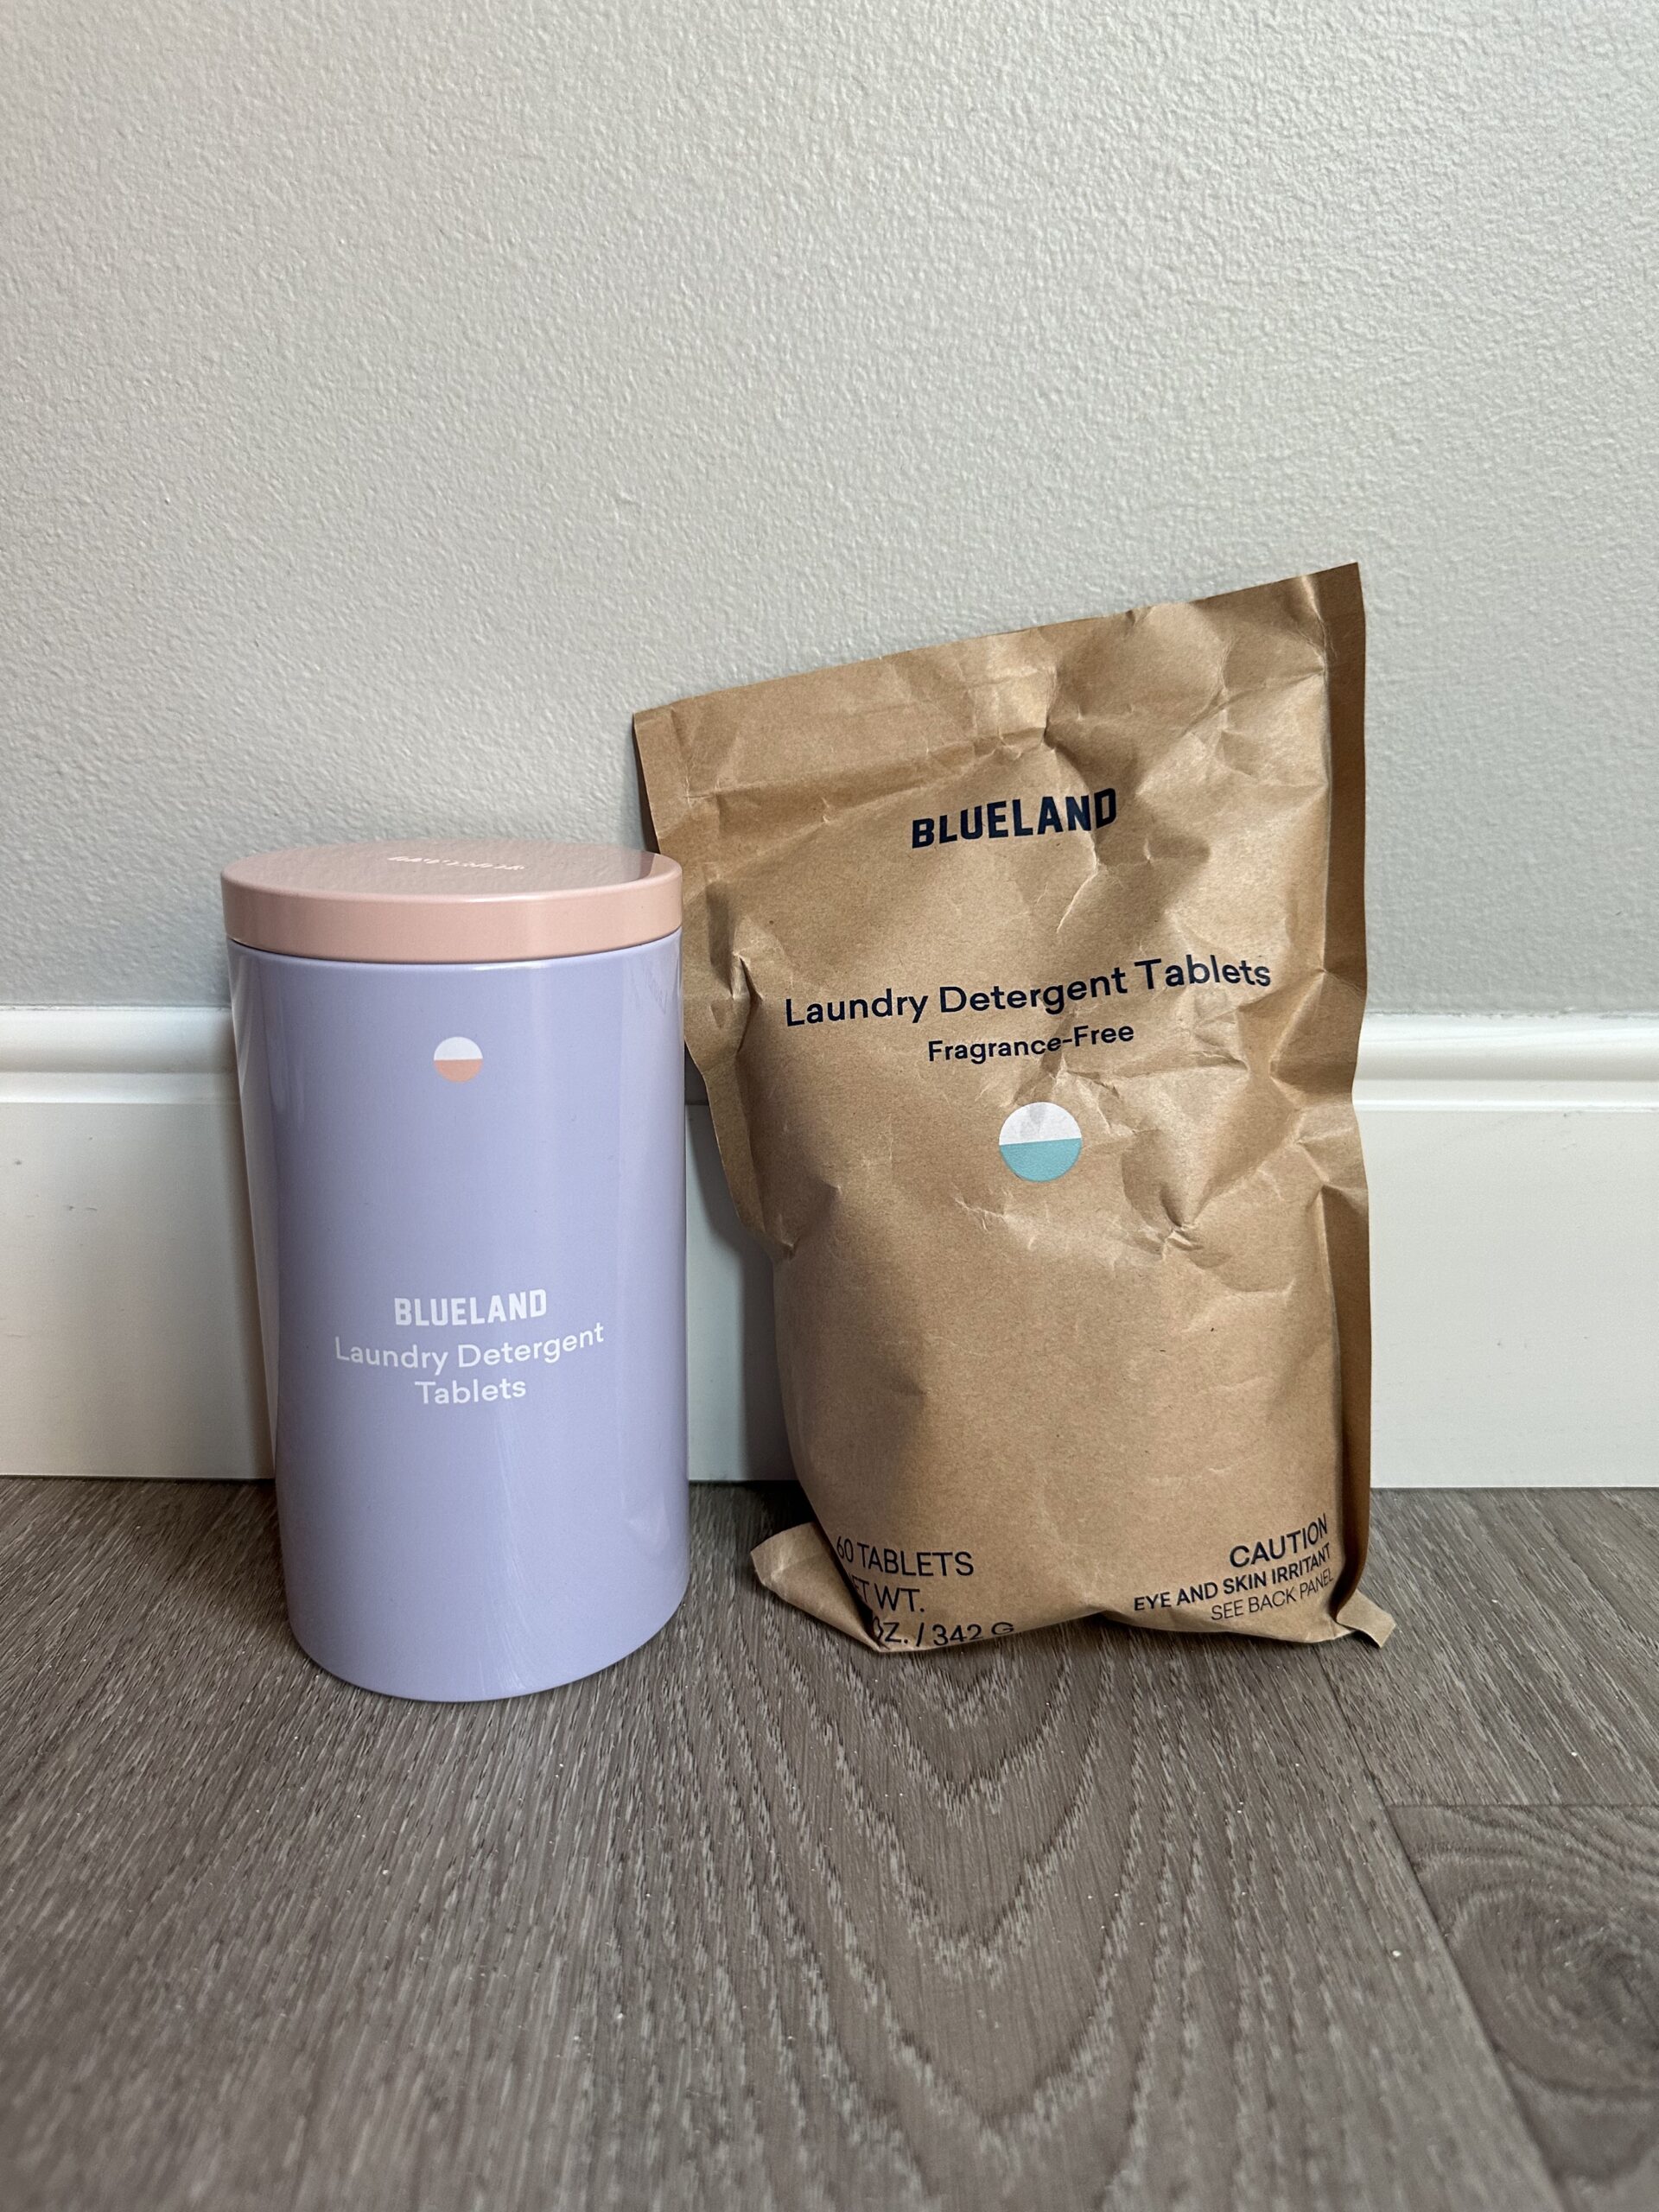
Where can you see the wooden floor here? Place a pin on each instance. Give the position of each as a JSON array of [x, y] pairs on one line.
[[1098, 1918]]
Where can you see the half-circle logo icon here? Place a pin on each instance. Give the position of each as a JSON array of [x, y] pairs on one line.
[[457, 1059], [1040, 1142]]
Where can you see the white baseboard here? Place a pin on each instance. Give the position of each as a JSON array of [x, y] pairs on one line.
[[1515, 1177]]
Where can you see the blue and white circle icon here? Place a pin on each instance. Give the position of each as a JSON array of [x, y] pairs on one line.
[[1040, 1142]]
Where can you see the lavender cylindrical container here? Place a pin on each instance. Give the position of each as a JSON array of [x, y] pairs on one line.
[[463, 1105]]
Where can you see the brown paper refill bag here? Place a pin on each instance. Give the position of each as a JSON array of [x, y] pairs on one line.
[[1026, 976]]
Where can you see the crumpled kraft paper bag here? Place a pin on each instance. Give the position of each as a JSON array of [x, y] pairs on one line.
[[1026, 976]]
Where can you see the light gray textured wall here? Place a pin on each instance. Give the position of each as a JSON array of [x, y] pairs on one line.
[[400, 392]]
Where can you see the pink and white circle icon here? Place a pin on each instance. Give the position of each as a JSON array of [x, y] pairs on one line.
[[458, 1059]]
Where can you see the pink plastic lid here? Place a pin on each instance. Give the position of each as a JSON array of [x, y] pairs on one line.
[[450, 898]]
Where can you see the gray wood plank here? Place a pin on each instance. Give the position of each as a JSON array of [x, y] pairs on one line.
[[81, 1566], [757, 1919], [1527, 1665], [1552, 1917]]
